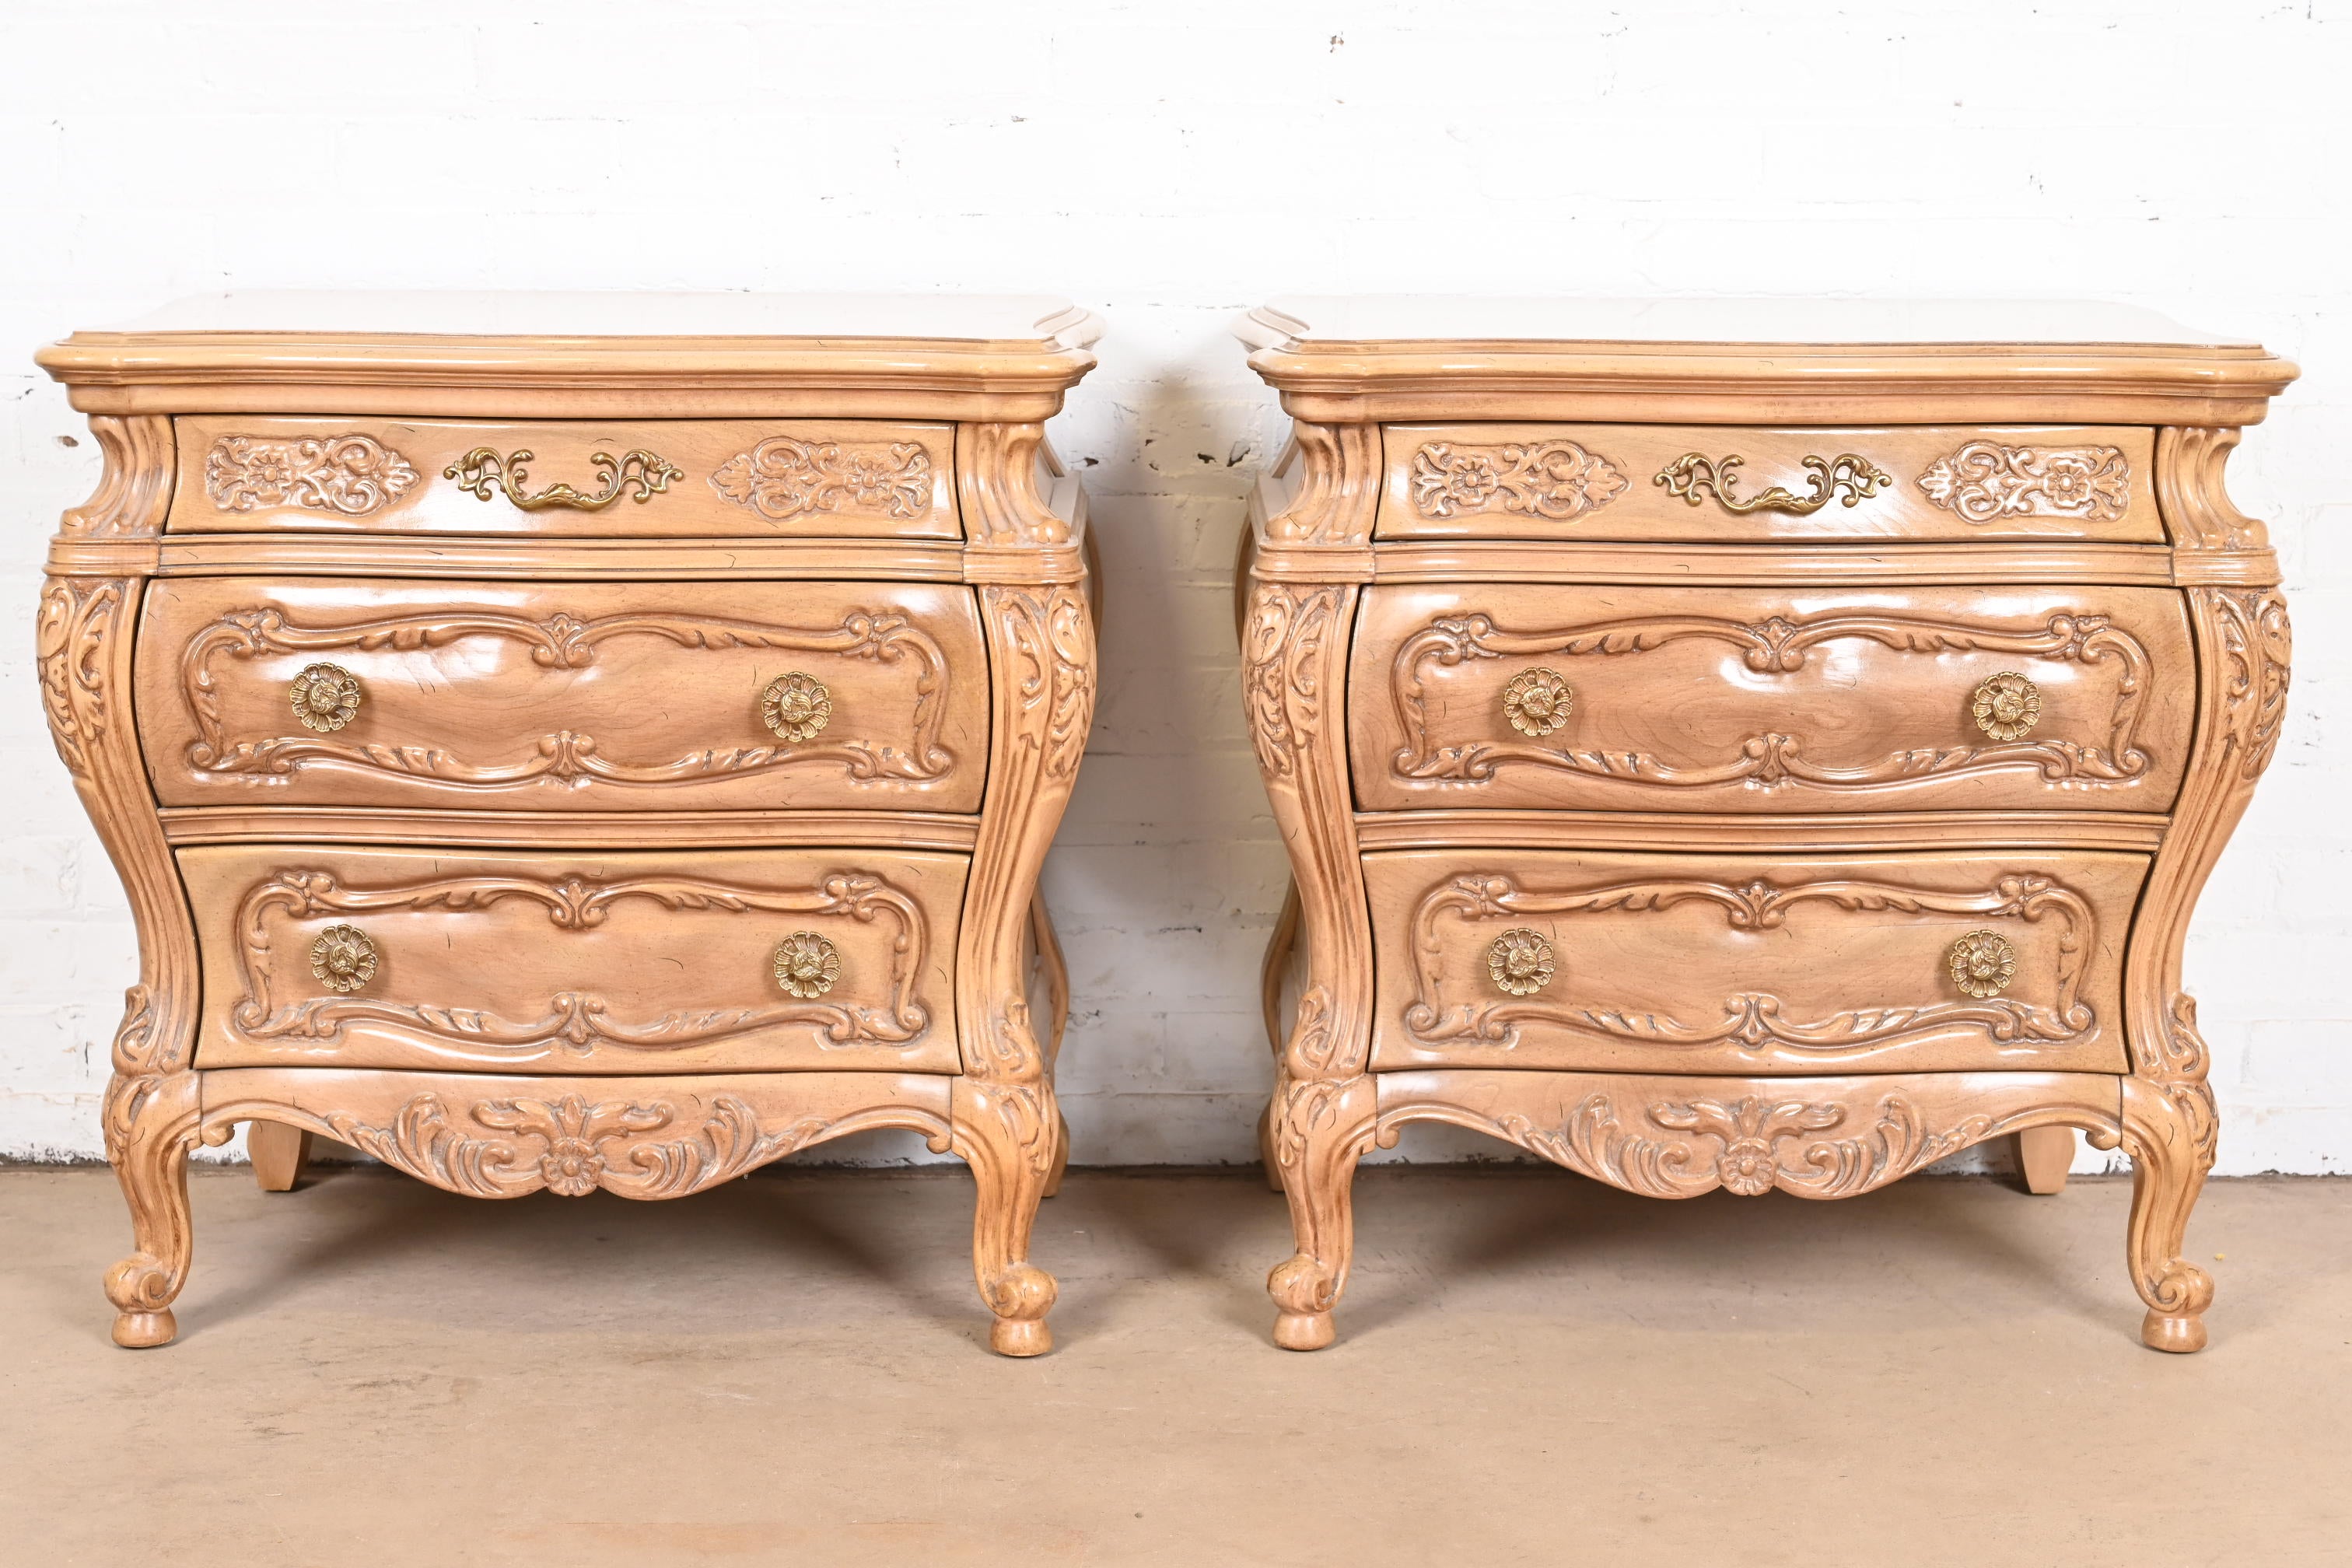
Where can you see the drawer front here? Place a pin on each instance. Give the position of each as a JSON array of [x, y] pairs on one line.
[[1745, 963], [813, 479], [749, 960], [564, 696], [1679, 483], [1707, 699]]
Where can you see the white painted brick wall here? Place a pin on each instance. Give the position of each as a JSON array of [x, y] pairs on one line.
[[1169, 164]]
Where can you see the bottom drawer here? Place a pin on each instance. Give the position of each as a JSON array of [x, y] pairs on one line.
[[1752, 964], [632, 963]]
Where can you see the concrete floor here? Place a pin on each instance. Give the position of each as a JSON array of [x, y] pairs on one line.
[[1531, 1370]]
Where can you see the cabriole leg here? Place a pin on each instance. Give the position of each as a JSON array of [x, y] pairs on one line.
[[1321, 1128], [1005, 1131], [2167, 1129], [150, 1125]]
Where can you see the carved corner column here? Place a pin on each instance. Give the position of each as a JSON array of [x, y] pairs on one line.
[[1040, 633], [100, 562], [1304, 589], [2245, 648]]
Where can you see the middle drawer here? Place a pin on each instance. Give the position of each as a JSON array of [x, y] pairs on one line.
[[1533, 696], [556, 696]]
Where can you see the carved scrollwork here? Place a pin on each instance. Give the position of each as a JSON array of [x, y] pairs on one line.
[[80, 617], [1985, 481], [571, 1146], [351, 475], [2257, 644], [1555, 479], [1777, 646], [1281, 654], [1672, 1148], [580, 1020], [563, 642], [784, 478], [1750, 1020]]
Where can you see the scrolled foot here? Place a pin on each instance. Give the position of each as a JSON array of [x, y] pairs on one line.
[[145, 1330], [1020, 1296], [2179, 1335], [1303, 1292]]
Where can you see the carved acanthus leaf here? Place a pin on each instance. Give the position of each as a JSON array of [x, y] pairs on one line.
[[784, 476], [1985, 481], [1554, 479], [351, 475]]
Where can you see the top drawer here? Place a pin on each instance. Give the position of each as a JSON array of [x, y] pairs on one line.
[[1702, 483], [784, 479]]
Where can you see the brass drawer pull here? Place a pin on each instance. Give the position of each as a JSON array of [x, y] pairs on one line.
[[343, 958], [796, 706], [641, 472], [1847, 477], [2007, 706], [806, 965], [1538, 701], [1521, 962], [325, 696], [1982, 963]]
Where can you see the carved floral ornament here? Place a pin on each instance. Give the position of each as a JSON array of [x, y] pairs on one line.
[[352, 475], [806, 965], [1521, 962], [2006, 706], [1555, 479], [1985, 481], [784, 476]]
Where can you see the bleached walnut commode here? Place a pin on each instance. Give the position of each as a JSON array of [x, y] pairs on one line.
[[1728, 746], [579, 741]]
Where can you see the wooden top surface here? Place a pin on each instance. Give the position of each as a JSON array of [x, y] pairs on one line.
[[1728, 361], [969, 356]]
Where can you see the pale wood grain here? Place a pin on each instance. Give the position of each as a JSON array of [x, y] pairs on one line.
[[569, 839], [2044, 1155], [1599, 482], [278, 1152], [1747, 845], [556, 697]]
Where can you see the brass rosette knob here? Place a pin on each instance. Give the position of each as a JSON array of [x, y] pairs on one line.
[[2007, 706], [796, 706], [325, 696], [1521, 962], [343, 958], [1538, 701], [806, 965], [1982, 963]]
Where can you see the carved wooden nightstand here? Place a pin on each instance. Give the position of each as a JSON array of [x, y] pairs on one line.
[[1730, 745], [579, 741]]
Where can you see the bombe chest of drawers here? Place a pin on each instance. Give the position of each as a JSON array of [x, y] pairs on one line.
[[578, 742], [1721, 745]]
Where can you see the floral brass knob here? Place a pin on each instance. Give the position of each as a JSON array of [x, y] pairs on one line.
[[796, 706], [1538, 701], [326, 697], [1520, 960], [1982, 963], [806, 965], [2007, 706], [343, 958]]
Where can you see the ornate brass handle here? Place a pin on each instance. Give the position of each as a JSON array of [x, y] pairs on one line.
[[1538, 701], [1982, 963], [641, 472], [2007, 706], [1521, 962], [1847, 477], [325, 696], [806, 965], [796, 706], [343, 958]]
